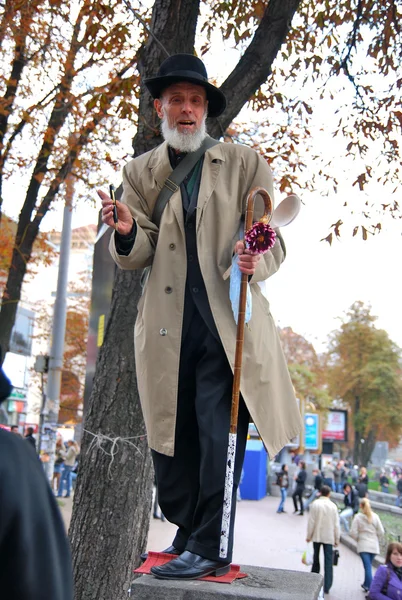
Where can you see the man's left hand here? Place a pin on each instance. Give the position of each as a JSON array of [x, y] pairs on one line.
[[247, 261]]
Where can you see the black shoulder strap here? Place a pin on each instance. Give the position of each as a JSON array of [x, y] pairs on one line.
[[177, 176]]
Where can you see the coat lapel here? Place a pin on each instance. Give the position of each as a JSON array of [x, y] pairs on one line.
[[210, 173], [161, 168]]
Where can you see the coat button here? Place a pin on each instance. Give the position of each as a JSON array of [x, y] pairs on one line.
[[195, 290], [190, 258], [168, 290], [172, 246], [163, 331]]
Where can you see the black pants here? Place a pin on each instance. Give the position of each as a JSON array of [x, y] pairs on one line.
[[328, 568], [298, 493], [191, 483]]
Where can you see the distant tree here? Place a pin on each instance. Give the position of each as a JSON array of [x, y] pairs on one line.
[[305, 367], [365, 373], [297, 349]]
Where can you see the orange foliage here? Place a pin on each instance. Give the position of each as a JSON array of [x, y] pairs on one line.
[[42, 254]]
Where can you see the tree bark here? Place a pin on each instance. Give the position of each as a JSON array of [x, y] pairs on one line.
[[173, 24], [111, 520], [368, 447], [357, 442], [112, 502]]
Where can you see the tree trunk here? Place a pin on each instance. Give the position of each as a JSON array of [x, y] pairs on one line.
[[368, 447], [110, 522], [357, 433], [112, 502], [25, 237], [111, 518]]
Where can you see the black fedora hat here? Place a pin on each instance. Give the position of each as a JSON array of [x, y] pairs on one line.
[[186, 67]]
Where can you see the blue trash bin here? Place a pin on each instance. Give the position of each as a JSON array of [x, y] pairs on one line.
[[254, 483]]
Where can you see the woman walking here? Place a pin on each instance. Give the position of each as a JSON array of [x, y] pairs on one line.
[[367, 530], [283, 482], [387, 582], [69, 463]]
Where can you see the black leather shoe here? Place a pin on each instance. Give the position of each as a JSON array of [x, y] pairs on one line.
[[170, 550], [190, 566]]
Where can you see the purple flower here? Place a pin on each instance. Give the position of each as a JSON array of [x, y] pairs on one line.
[[260, 238]]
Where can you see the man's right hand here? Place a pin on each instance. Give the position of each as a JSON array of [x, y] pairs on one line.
[[125, 218]]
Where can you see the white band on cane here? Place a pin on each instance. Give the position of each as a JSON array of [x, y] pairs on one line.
[[227, 498]]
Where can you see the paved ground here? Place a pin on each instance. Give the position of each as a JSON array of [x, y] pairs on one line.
[[264, 538]]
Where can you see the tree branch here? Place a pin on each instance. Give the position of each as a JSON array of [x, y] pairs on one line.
[[254, 67], [143, 23], [168, 17]]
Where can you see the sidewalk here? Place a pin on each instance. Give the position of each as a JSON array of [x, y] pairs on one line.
[[267, 539]]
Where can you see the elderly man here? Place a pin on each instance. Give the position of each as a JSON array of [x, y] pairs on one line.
[[185, 333]]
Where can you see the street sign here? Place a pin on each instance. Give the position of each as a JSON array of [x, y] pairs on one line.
[[18, 394]]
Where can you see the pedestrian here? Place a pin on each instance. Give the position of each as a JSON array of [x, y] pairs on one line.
[[351, 504], [323, 529], [5, 384], [35, 560], [338, 473], [363, 476], [387, 581], [60, 455], [384, 482], [328, 474], [283, 482], [354, 474], [367, 530], [185, 332], [318, 482], [398, 501], [30, 437], [69, 462], [16, 430], [156, 508], [362, 483], [300, 480]]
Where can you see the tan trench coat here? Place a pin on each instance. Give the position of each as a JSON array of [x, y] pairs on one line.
[[229, 172]]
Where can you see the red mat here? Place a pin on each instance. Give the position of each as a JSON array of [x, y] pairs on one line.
[[155, 559]]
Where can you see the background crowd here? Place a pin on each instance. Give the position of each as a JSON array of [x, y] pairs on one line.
[[354, 517]]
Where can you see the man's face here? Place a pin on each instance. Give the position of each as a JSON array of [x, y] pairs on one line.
[[184, 105]]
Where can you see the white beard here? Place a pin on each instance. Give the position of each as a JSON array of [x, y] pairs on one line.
[[181, 141]]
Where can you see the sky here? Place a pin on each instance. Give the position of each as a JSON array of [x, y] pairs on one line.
[[317, 283]]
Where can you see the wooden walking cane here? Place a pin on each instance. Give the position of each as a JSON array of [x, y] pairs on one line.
[[230, 463]]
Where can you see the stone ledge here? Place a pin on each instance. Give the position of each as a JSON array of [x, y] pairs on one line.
[[261, 584]]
